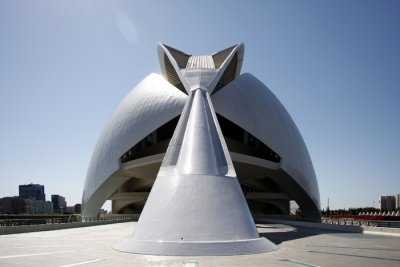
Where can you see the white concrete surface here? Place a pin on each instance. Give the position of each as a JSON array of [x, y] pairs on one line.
[[92, 246]]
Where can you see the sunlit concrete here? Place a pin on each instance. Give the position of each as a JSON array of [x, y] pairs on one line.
[[298, 247]]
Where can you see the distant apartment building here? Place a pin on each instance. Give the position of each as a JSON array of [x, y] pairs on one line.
[[14, 205], [32, 191], [70, 209], [388, 203], [398, 201], [41, 207], [59, 203], [78, 208]]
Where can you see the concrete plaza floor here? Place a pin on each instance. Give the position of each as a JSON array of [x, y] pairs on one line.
[[300, 246]]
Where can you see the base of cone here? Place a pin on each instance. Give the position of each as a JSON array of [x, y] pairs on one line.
[[168, 248]]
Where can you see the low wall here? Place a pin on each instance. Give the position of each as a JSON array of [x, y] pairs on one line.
[[258, 219], [322, 226], [7, 230], [334, 227], [382, 230]]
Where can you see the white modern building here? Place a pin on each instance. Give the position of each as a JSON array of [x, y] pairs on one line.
[[196, 150]]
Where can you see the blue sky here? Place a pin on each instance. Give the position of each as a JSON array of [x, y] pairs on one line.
[[335, 66]]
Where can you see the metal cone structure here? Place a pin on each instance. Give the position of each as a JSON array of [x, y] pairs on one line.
[[196, 205]]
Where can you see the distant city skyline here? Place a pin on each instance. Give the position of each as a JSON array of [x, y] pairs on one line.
[[35, 191], [65, 66], [384, 203]]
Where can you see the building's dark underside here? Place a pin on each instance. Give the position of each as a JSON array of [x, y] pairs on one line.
[[263, 194]]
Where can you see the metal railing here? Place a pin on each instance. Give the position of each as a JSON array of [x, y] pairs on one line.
[[361, 222]]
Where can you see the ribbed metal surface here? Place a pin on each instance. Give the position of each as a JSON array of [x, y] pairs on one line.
[[229, 74], [200, 62], [171, 73], [220, 57]]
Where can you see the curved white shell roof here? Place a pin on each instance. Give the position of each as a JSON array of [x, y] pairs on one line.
[[247, 102], [149, 105]]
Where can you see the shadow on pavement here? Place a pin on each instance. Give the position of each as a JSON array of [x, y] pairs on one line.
[[278, 237]]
